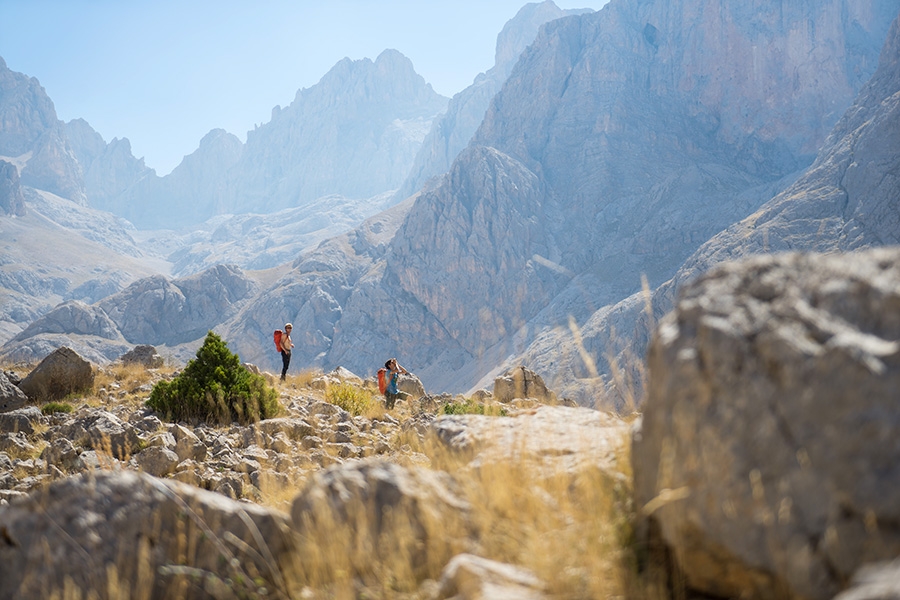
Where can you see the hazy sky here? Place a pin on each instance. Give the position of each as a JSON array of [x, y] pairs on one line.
[[164, 72]]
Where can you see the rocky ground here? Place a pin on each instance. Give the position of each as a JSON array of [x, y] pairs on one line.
[[441, 472]]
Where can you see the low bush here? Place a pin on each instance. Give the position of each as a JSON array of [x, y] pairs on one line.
[[471, 407], [56, 407], [355, 400], [215, 387]]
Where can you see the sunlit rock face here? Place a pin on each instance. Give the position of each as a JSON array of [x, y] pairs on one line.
[[846, 200], [31, 134]]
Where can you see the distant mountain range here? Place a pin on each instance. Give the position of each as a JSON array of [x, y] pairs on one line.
[[626, 149]]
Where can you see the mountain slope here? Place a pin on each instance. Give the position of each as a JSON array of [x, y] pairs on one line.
[[848, 199], [616, 147]]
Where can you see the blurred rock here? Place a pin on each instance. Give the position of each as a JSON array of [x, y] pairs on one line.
[[177, 540], [767, 459]]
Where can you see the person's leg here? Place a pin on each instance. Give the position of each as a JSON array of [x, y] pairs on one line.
[[285, 361], [389, 400]]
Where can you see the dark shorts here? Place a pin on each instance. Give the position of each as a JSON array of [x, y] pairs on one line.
[[390, 399]]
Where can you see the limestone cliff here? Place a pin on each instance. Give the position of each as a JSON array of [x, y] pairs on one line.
[[846, 200], [34, 139], [452, 131]]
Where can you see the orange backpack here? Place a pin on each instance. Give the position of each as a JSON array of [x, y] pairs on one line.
[[278, 333], [382, 379]]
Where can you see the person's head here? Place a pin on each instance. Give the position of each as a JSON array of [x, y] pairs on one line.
[[288, 327], [390, 363]]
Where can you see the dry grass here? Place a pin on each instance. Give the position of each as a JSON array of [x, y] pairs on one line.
[[299, 381]]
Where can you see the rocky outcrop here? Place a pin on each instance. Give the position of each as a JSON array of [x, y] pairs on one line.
[[522, 383], [11, 397], [471, 576], [374, 499], [552, 439], [12, 202], [451, 132], [144, 355], [161, 311], [183, 541], [765, 459], [61, 373]]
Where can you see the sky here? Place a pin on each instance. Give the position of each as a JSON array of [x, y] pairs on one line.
[[163, 73]]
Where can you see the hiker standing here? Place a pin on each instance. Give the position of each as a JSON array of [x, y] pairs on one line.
[[286, 345], [392, 374]]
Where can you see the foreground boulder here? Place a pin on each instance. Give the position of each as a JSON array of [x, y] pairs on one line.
[[61, 373], [142, 537], [405, 518], [768, 460]]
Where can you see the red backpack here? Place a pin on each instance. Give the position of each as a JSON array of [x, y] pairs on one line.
[[278, 333], [382, 379]]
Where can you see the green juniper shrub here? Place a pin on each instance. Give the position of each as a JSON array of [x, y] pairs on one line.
[[215, 387], [56, 407], [471, 407]]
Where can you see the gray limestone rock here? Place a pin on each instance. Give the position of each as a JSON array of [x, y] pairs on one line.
[[874, 582], [12, 202], [110, 435], [471, 577], [157, 461], [61, 373], [143, 354], [179, 541], [20, 420], [375, 498], [554, 439], [11, 397], [520, 382], [767, 456]]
